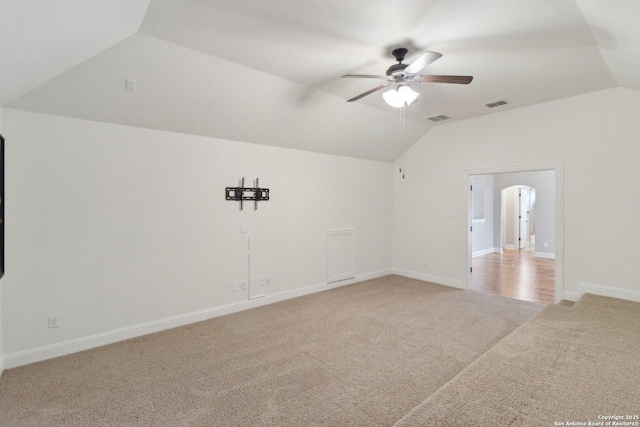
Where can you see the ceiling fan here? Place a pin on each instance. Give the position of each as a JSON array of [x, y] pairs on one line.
[[403, 74]]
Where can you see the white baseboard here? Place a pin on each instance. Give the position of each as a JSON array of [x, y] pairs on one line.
[[486, 252], [1, 364], [609, 291], [72, 346], [570, 296], [429, 278], [549, 255]]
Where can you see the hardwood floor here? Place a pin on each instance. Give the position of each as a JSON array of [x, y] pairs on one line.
[[515, 274]]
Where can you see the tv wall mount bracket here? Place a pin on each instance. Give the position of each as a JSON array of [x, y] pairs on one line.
[[242, 193]]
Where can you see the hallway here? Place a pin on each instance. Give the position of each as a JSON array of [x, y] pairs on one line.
[[515, 274]]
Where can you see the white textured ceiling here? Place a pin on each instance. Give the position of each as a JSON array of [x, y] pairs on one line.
[[269, 72], [616, 29], [40, 39]]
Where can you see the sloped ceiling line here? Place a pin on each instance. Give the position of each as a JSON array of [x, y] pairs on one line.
[[270, 73]]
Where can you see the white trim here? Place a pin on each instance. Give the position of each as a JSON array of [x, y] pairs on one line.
[[608, 291], [67, 347], [429, 278], [549, 255], [481, 252], [510, 247], [1, 364], [486, 251], [340, 277], [571, 296], [516, 224]]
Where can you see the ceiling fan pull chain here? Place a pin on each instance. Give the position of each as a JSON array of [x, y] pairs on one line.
[[401, 135], [401, 138]]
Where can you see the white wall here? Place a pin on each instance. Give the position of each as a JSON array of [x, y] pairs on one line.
[[594, 136], [545, 185], [1, 283], [483, 234], [509, 194], [114, 226]]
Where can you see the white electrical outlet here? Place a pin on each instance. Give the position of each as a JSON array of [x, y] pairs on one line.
[[425, 263], [54, 321], [243, 285], [267, 281], [262, 281], [545, 244]]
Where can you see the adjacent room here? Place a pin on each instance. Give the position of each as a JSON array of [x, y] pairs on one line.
[[372, 213], [513, 234]]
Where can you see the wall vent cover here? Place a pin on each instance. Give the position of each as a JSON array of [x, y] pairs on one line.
[[439, 118], [495, 104]]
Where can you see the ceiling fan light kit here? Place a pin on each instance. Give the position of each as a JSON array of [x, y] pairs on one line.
[[401, 74], [397, 98]]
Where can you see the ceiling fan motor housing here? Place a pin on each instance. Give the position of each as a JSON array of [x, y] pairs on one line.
[[396, 69], [399, 67]]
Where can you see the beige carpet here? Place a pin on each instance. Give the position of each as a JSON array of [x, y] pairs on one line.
[[359, 355], [568, 364]]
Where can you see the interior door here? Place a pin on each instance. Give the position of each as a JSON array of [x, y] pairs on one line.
[[523, 217]]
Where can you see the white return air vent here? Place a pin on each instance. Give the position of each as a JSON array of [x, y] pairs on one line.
[[341, 252]]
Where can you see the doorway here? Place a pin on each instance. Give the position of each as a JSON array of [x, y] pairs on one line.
[[514, 233], [517, 217]]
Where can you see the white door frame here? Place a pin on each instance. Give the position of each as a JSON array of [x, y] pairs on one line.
[[526, 239], [559, 264]]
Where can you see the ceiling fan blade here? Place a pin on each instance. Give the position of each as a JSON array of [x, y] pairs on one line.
[[369, 92], [461, 80], [363, 76], [426, 59]]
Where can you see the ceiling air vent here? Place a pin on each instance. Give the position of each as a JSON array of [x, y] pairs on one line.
[[439, 118], [495, 104]]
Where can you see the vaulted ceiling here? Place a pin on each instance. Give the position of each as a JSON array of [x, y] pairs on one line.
[[269, 72]]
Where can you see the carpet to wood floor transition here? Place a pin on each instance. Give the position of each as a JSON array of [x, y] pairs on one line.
[[369, 354]]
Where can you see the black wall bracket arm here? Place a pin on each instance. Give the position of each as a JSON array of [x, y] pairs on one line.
[[242, 193]]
